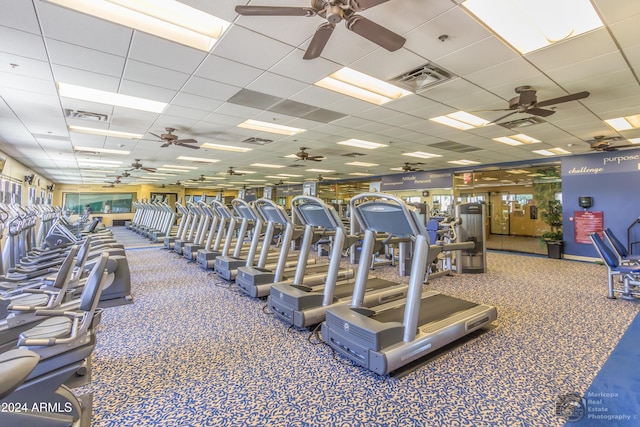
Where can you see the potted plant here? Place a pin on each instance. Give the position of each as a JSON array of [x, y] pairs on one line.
[[550, 210]]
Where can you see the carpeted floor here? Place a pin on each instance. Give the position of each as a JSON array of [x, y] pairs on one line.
[[190, 353]]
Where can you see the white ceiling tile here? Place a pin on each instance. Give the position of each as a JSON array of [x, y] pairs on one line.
[[73, 56], [386, 65], [85, 78], [317, 96], [19, 15], [155, 93], [292, 30], [184, 112], [10, 80], [210, 89], [163, 53], [21, 43], [613, 11], [226, 71], [152, 75], [198, 102], [251, 48], [26, 67], [295, 67], [481, 54], [461, 31], [576, 49], [66, 25], [276, 85]]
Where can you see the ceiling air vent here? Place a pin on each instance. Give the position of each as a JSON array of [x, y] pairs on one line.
[[422, 78], [354, 155], [520, 123], [86, 115], [258, 141]]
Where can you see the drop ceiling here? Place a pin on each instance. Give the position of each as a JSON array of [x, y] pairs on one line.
[[256, 71]]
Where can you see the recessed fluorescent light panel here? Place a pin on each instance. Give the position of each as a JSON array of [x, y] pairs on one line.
[[362, 144], [180, 167], [256, 180], [105, 132], [244, 171], [518, 139], [463, 162], [197, 159], [110, 98], [634, 140], [266, 165], [360, 174], [270, 127], [320, 170], [363, 164], [362, 86], [172, 170], [624, 123], [517, 171], [531, 25], [223, 147], [167, 19], [287, 175], [421, 154], [99, 150], [552, 152], [461, 120]]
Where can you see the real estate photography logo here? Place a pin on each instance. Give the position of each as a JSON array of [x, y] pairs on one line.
[[571, 407]]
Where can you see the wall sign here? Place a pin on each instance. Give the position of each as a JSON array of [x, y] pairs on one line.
[[585, 224], [417, 181]]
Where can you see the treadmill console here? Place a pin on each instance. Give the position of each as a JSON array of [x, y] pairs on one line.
[[384, 217]]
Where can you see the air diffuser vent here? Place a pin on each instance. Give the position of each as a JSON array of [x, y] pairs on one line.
[[258, 141], [86, 115], [524, 122], [422, 78], [354, 154]]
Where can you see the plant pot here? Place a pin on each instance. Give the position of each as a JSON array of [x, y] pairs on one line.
[[555, 249]]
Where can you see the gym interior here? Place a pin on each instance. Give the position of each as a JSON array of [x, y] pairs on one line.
[[245, 213]]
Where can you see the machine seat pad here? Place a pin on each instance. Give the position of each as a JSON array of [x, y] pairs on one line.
[[33, 301], [53, 327]]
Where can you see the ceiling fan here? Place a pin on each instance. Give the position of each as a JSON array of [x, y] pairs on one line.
[[603, 143], [233, 172], [170, 139], [201, 178], [138, 166], [304, 156], [407, 167], [334, 11], [527, 102]]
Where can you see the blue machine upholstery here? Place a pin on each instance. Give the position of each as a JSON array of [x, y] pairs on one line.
[[628, 275]]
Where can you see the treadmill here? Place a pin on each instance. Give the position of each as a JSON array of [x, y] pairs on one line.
[[257, 281], [386, 337], [227, 266], [196, 222], [304, 306], [206, 256], [190, 250], [185, 223]]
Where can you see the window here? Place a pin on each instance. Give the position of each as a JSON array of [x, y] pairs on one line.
[[118, 202]]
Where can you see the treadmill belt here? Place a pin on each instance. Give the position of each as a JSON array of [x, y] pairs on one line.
[[346, 290], [432, 309]]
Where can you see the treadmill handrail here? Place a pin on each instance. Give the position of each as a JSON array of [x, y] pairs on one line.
[[329, 211], [408, 211], [248, 213], [262, 203]]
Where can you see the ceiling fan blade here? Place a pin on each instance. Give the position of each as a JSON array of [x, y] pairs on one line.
[[148, 169], [319, 41], [166, 144], [561, 99], [375, 32], [157, 136], [366, 4], [503, 117], [316, 158], [540, 112], [274, 11], [193, 147], [185, 141]]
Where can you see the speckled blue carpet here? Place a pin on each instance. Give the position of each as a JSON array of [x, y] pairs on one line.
[[189, 353], [614, 397]]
